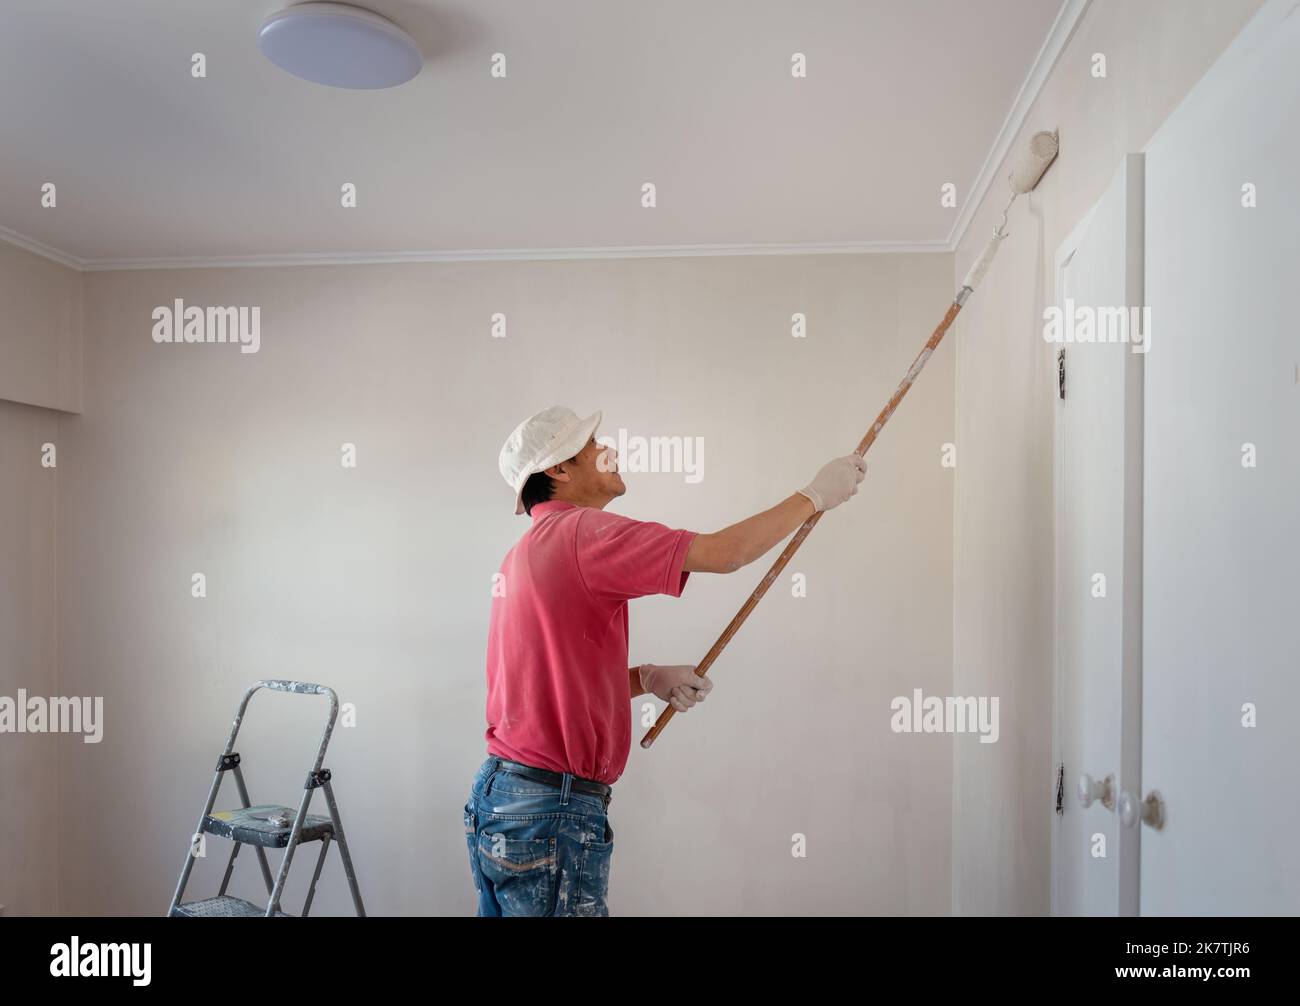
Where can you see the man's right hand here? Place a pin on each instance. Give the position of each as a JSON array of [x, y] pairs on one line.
[[836, 482], [678, 685]]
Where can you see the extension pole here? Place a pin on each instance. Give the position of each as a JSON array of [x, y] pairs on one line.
[[806, 528]]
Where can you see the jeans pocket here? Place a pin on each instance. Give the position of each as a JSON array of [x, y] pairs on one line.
[[593, 879], [521, 872], [471, 845]]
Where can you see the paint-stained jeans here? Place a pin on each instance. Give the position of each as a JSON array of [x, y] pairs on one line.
[[532, 851]]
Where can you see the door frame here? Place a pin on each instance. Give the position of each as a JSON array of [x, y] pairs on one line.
[[1130, 761]]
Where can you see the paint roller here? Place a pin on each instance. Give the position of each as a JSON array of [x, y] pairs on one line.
[[1038, 158], [1024, 178]]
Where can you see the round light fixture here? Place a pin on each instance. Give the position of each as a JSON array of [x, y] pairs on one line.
[[339, 45]]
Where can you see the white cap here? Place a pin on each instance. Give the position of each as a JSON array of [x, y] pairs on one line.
[[553, 435]]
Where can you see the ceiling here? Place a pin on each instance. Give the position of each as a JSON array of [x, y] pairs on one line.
[[601, 96]]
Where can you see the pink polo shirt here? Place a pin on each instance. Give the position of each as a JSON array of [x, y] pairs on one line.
[[557, 681]]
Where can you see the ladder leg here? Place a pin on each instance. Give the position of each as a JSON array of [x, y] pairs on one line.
[[343, 848], [320, 861], [222, 764], [261, 853], [230, 866], [277, 892], [194, 840]]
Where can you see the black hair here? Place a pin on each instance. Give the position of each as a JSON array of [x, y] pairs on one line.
[[538, 489]]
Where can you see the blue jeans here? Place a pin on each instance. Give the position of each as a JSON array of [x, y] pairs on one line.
[[535, 849]]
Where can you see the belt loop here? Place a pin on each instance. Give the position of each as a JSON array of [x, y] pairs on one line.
[[564, 789]]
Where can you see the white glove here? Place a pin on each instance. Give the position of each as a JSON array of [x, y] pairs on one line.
[[678, 685], [836, 482]]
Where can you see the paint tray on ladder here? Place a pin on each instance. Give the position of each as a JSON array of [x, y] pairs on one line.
[[268, 826]]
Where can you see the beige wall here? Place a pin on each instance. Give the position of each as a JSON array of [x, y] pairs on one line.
[[40, 339], [40, 331], [377, 580], [29, 776], [1002, 560]]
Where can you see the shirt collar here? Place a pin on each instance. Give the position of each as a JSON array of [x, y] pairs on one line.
[[551, 506]]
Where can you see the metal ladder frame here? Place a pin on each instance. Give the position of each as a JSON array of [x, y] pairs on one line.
[[317, 778]]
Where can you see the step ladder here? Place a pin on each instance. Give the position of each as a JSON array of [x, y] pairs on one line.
[[268, 826]]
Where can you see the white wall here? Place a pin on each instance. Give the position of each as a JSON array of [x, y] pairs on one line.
[[376, 580], [1002, 559], [1222, 539]]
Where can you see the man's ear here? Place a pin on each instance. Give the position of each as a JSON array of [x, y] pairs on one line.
[[558, 472]]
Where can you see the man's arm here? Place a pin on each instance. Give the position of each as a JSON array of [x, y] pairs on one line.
[[740, 544], [634, 685]]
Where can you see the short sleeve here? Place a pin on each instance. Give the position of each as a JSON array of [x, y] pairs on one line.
[[621, 558]]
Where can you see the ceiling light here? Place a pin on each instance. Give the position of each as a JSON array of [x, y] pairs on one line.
[[339, 45]]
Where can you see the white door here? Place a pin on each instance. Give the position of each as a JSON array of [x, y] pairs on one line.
[[1222, 567], [1098, 485]]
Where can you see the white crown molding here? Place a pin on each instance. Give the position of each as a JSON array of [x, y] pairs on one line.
[[1067, 19], [40, 248], [518, 255], [1062, 28], [489, 255]]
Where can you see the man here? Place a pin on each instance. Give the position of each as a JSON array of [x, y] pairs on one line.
[[558, 681]]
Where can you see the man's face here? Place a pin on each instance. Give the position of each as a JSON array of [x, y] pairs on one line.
[[592, 477]]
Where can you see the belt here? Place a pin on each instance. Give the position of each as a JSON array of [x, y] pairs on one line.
[[577, 784]]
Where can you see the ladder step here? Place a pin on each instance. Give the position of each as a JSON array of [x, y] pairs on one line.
[[265, 825], [225, 907]]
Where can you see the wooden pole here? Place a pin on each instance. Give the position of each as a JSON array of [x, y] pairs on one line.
[[806, 528]]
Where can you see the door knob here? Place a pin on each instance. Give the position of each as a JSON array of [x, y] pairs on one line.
[[1127, 809], [1153, 810], [1090, 790]]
